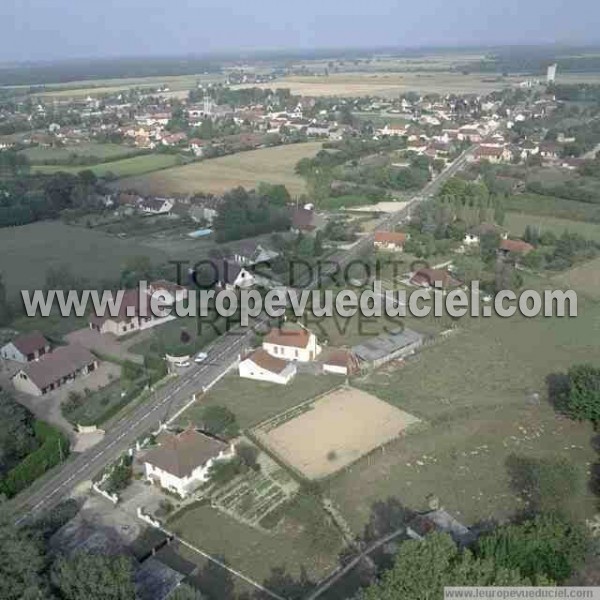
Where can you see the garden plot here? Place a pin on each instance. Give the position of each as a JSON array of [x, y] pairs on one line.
[[332, 431], [254, 495]]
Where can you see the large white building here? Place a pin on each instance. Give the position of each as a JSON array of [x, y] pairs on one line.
[[262, 366], [292, 343], [182, 461], [551, 73]]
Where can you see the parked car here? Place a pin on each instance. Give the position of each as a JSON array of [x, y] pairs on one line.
[[184, 364]]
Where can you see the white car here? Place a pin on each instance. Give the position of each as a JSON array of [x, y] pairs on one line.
[[184, 364], [200, 357]]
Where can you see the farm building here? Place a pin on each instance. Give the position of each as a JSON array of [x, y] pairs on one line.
[[183, 460], [388, 346], [292, 342], [262, 366], [54, 370], [26, 348], [339, 362]]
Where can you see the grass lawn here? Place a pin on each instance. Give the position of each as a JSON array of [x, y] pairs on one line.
[[217, 175], [27, 252], [517, 222], [167, 338], [254, 552], [98, 151], [550, 206], [127, 167], [474, 392], [254, 401]]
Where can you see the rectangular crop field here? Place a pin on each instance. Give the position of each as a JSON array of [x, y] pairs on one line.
[[38, 154], [247, 169], [323, 436], [127, 167]]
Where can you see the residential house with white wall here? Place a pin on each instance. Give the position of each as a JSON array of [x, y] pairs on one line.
[[182, 461], [292, 342]]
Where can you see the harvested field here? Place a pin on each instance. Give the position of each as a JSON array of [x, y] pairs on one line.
[[324, 435], [217, 175]]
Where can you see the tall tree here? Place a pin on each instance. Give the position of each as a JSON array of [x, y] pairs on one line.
[[94, 577], [423, 568], [582, 400]]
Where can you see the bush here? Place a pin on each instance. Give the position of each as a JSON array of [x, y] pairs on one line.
[[54, 448]]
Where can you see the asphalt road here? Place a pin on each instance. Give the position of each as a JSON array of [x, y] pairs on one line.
[[167, 402]]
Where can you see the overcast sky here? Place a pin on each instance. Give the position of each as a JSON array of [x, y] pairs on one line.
[[56, 29]]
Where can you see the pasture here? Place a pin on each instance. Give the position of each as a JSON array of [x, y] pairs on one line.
[[324, 435], [482, 393], [99, 152], [255, 401], [29, 251], [550, 206], [127, 167], [517, 222], [217, 175]]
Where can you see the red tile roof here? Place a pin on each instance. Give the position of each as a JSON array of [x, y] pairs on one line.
[[517, 246], [390, 237], [264, 360], [428, 277], [295, 338]]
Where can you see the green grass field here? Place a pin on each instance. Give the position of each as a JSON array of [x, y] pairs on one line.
[[474, 392], [255, 401], [254, 552], [27, 252], [101, 152], [517, 222], [549, 206], [127, 167], [217, 175]]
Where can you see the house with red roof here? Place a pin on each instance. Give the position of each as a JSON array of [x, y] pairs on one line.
[[292, 342], [514, 247], [262, 366], [428, 278], [390, 240]]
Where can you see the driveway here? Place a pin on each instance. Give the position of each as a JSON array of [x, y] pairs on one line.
[[47, 407], [106, 344]]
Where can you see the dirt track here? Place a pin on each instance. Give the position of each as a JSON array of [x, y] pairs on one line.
[[337, 430]]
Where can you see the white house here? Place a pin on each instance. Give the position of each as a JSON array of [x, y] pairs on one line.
[[262, 366], [230, 275], [292, 343], [156, 206], [26, 348], [473, 236], [182, 461]]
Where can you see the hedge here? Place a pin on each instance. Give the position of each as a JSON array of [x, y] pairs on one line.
[[53, 447]]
